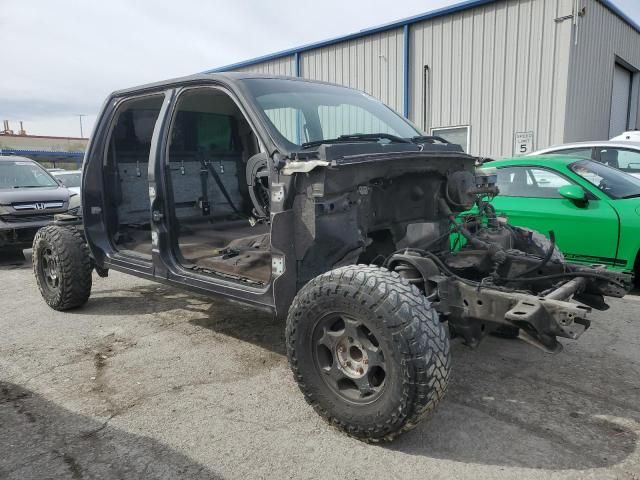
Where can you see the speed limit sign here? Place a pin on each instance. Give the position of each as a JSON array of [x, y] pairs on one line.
[[523, 143]]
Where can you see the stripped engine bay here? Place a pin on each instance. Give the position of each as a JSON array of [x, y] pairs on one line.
[[429, 217]]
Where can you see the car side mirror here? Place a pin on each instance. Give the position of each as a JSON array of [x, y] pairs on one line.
[[574, 193]]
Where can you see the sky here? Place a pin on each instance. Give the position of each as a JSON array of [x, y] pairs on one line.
[[62, 58]]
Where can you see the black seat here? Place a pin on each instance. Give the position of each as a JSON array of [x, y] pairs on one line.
[[610, 157]]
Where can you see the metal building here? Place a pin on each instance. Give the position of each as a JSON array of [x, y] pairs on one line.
[[501, 77]]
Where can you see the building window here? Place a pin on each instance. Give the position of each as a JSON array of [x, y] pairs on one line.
[[460, 135]]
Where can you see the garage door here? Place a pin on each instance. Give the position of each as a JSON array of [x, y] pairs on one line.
[[620, 101]]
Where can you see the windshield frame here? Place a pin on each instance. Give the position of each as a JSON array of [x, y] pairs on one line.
[[610, 170], [288, 147], [24, 162]]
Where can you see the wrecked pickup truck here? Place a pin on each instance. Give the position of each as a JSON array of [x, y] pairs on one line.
[[322, 205]]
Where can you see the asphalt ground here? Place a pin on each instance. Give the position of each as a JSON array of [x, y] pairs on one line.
[[147, 381]]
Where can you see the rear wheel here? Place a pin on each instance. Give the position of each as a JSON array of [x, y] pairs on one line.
[[62, 267], [368, 351]]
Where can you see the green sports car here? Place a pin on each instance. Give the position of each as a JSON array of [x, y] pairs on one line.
[[593, 209]]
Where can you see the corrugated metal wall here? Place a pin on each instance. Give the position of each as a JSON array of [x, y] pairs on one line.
[[372, 64], [601, 37], [283, 118], [279, 66], [501, 68], [505, 67]]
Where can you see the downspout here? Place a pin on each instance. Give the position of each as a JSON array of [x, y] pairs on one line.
[[296, 73], [296, 64], [405, 72]]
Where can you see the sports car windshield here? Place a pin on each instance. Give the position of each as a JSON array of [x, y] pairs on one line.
[[23, 174], [612, 181], [305, 113]]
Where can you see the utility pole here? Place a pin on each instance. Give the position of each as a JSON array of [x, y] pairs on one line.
[[80, 115]]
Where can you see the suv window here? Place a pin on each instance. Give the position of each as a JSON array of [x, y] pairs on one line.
[[530, 182]]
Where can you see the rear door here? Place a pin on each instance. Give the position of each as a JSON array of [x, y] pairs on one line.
[[529, 197]]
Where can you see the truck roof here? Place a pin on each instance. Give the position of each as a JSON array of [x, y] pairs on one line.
[[224, 77]]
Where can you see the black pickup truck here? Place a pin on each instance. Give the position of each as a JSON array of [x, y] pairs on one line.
[[322, 205]]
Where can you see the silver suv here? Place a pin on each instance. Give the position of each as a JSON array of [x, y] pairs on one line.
[[29, 198]]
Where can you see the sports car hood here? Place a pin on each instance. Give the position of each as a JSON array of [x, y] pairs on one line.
[[42, 194]]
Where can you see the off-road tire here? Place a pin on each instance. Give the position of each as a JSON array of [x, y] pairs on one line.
[[414, 341], [67, 247]]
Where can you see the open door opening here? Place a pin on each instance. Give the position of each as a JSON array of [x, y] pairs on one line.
[[219, 182], [126, 176]]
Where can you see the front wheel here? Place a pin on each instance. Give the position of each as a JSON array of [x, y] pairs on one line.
[[368, 351], [62, 267]]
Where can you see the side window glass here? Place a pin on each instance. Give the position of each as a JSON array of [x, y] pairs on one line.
[[627, 160], [575, 152], [530, 182]]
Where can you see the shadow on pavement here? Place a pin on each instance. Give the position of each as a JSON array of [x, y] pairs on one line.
[[140, 300], [507, 404], [13, 260], [42, 440]]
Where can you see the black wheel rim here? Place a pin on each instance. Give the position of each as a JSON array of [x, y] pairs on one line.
[[349, 358], [49, 270]]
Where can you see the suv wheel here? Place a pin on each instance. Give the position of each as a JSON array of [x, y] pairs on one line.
[[368, 351], [62, 267]]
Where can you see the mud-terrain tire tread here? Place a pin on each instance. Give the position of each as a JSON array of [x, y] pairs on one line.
[[74, 264], [414, 327]]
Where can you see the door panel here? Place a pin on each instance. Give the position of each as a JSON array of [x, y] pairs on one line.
[[529, 198]]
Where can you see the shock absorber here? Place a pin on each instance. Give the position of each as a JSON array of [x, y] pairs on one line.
[[410, 273]]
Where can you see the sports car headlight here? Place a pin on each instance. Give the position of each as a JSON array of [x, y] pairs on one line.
[[4, 210]]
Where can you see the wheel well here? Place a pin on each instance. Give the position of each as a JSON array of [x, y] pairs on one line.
[[636, 270], [380, 247]]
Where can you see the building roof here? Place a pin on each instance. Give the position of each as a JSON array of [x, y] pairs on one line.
[[4, 135], [458, 7], [40, 153]]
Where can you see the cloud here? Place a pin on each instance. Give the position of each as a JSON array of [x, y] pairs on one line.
[[64, 57]]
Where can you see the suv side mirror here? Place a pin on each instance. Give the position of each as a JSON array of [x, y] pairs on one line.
[[574, 193]]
